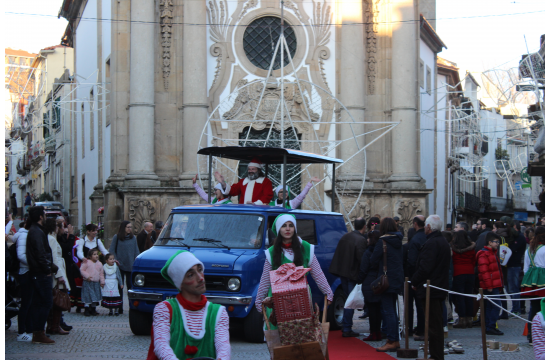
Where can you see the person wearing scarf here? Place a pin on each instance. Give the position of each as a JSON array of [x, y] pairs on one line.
[[125, 248], [297, 201], [288, 248], [188, 326], [219, 197]]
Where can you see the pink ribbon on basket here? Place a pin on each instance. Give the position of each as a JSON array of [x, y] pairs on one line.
[[291, 272]]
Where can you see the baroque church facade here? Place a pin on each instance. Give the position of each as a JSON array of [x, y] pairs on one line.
[[169, 64]]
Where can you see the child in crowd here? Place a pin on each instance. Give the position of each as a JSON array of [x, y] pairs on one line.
[[112, 298], [94, 280]]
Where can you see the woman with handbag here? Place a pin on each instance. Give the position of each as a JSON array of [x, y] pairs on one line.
[[288, 248], [367, 274], [388, 254], [61, 301]]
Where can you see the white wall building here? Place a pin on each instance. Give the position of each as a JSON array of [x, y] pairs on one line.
[[92, 130]]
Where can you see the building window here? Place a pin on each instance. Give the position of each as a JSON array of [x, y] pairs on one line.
[[421, 74], [83, 189], [92, 119], [500, 188], [428, 80], [56, 113], [82, 129], [260, 39], [108, 91]]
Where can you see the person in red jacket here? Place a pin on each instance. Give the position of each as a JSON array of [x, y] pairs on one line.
[[256, 188], [490, 280], [464, 262]]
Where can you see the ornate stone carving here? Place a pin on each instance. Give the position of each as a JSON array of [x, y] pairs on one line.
[[140, 212], [322, 18], [361, 209], [249, 5], [166, 15], [219, 20], [292, 6], [371, 14], [407, 209], [249, 96]]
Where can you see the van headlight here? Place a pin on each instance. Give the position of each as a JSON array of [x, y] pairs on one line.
[[139, 280], [234, 284]]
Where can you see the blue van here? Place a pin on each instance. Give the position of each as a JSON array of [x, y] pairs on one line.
[[230, 241]]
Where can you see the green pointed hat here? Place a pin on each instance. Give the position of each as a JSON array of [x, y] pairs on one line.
[[281, 220], [178, 265]]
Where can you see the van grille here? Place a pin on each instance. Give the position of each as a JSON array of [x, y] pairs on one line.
[[156, 281]]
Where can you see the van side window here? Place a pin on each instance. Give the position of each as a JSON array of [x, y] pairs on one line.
[[306, 230]]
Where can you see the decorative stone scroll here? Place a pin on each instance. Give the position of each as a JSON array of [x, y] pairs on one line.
[[166, 15], [140, 212], [292, 6], [250, 4], [407, 210], [219, 21], [322, 18], [371, 14]]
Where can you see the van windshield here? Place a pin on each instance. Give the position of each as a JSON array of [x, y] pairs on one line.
[[243, 231]]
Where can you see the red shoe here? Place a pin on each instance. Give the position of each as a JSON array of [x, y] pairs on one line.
[[374, 336]]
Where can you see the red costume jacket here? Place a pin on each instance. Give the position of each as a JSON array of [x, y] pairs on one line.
[[260, 193], [488, 266]]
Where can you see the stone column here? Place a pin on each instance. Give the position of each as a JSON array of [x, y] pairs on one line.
[[352, 88], [404, 84], [141, 124], [195, 102]]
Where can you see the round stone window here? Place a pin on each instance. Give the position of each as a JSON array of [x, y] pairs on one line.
[[260, 39]]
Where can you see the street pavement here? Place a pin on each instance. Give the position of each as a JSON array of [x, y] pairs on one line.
[[110, 337]]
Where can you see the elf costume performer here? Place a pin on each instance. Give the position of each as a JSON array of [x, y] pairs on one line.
[[288, 242], [219, 197], [294, 203], [254, 189], [188, 326]]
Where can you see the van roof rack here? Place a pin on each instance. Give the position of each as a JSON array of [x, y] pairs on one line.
[[269, 155]]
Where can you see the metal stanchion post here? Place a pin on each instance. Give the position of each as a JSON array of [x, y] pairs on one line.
[[482, 315], [406, 352], [427, 320]]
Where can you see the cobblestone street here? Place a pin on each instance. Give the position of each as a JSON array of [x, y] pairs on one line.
[[110, 337]]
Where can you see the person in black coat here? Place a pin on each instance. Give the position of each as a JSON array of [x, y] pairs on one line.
[[483, 228], [345, 264], [41, 267], [433, 264], [517, 246], [367, 275], [414, 246], [392, 241]]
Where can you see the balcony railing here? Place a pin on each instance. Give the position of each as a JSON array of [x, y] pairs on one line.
[[472, 202], [501, 204], [469, 201]]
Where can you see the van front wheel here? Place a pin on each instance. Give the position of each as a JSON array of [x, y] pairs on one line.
[[335, 313], [253, 327], [140, 322]]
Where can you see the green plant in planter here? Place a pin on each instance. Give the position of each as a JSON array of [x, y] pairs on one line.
[[45, 196], [501, 154]]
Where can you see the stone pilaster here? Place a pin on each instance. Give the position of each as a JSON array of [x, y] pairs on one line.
[[97, 202], [195, 101], [404, 86], [141, 125], [114, 212], [352, 90]]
